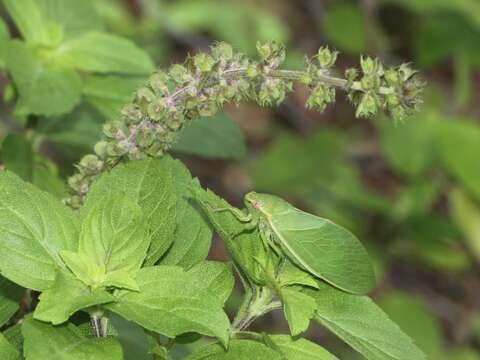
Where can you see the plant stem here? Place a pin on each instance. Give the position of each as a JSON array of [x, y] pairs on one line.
[[99, 323], [293, 75], [256, 304]]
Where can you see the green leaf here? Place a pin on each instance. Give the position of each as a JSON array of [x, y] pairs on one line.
[[413, 317], [120, 279], [459, 148], [4, 40], [109, 93], [409, 147], [14, 336], [95, 275], [150, 184], [105, 53], [466, 214], [298, 308], [67, 296], [10, 296], [115, 234], [7, 350], [34, 227], [363, 325], [74, 134], [193, 234], [329, 182], [43, 89], [46, 177], [66, 342], [17, 155], [170, 302], [291, 274], [300, 349], [83, 267], [415, 199], [30, 22], [433, 236], [214, 276], [279, 170], [344, 26], [213, 137], [245, 248], [238, 350], [236, 24], [469, 8], [463, 354], [435, 43], [74, 18], [132, 337]]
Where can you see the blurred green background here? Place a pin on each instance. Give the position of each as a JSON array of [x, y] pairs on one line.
[[410, 191]]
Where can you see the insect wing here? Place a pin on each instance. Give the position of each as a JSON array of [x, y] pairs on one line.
[[324, 249]]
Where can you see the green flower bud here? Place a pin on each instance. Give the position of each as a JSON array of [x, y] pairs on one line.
[[367, 83], [273, 91], [113, 129], [176, 121], [159, 82], [100, 149], [207, 109], [264, 50], [90, 164], [368, 106], [132, 113], [405, 72], [351, 75], [326, 57], [305, 79], [76, 182], [145, 94], [203, 62], [398, 113], [252, 71], [392, 100], [156, 110], [117, 149], [391, 77], [155, 150], [145, 137], [222, 50], [179, 74], [74, 201], [369, 66], [272, 53], [320, 97]]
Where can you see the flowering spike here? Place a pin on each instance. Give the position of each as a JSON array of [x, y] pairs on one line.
[[204, 83]]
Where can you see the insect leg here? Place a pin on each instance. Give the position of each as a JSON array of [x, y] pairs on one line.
[[283, 262], [239, 214], [268, 238], [275, 248], [264, 238]]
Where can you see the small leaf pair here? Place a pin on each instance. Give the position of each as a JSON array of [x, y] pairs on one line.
[[113, 244]]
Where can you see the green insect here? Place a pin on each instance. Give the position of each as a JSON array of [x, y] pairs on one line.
[[324, 249]]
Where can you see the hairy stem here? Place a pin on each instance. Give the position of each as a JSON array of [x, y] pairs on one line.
[[99, 323], [260, 302]]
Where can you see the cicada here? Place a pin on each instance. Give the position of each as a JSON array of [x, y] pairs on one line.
[[317, 245]]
